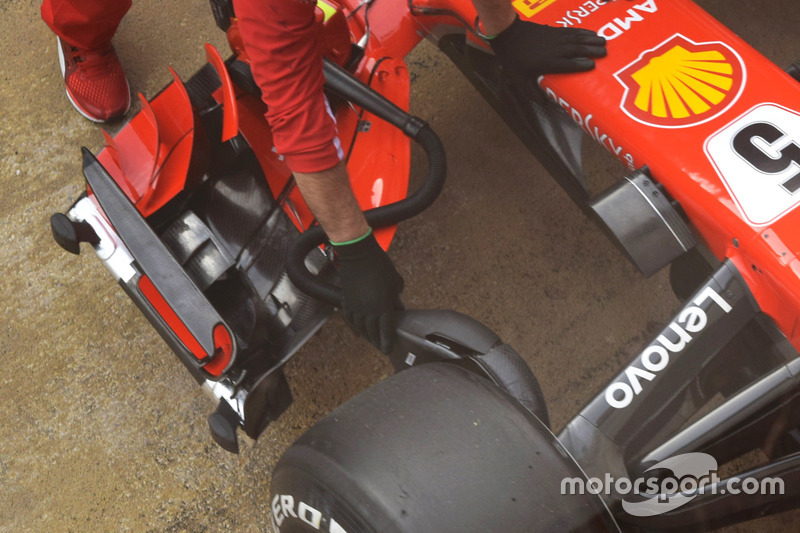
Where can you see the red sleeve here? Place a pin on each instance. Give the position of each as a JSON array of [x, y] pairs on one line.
[[280, 37]]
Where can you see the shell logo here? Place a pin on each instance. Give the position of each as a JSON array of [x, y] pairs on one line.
[[529, 8], [680, 83]]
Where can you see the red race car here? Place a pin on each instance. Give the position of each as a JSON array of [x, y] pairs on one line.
[[200, 222]]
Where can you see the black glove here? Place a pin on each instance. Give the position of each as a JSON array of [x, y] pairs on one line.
[[527, 50], [371, 288]]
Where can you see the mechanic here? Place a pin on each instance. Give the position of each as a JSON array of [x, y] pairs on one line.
[[280, 38]]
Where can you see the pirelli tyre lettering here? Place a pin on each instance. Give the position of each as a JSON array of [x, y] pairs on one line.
[[285, 506]]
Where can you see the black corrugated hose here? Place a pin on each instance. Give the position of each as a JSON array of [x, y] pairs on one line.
[[386, 215]]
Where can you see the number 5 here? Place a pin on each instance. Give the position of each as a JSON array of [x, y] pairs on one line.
[[746, 148]]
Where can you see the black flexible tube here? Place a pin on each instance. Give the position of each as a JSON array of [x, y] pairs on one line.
[[382, 216], [347, 86]]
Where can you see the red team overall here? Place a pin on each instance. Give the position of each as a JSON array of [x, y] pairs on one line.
[[280, 39]]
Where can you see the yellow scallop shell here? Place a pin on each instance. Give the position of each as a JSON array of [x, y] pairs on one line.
[[529, 8], [680, 83]]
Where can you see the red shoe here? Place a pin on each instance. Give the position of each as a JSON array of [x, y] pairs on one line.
[[96, 84]]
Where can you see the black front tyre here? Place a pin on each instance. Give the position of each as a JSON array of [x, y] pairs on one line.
[[433, 449]]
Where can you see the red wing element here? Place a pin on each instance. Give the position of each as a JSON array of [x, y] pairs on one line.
[[230, 120], [150, 157]]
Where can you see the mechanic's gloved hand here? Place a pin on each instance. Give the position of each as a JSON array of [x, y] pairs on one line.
[[527, 50], [371, 288]]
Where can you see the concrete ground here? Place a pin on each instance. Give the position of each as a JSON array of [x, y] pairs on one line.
[[101, 428]]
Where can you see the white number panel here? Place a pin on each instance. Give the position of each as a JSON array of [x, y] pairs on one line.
[[757, 156]]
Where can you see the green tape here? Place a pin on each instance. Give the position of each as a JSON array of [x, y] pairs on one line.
[[353, 241]]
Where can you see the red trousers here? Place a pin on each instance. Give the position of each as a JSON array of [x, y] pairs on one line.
[[281, 39], [84, 23]]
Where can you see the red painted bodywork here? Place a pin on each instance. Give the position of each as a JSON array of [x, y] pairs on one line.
[[677, 149], [150, 157], [226, 95], [645, 40], [215, 363]]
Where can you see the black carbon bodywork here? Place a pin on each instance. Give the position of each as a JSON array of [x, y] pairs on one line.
[[216, 254]]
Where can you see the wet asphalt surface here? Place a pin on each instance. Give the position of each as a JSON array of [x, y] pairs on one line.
[[102, 429]]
